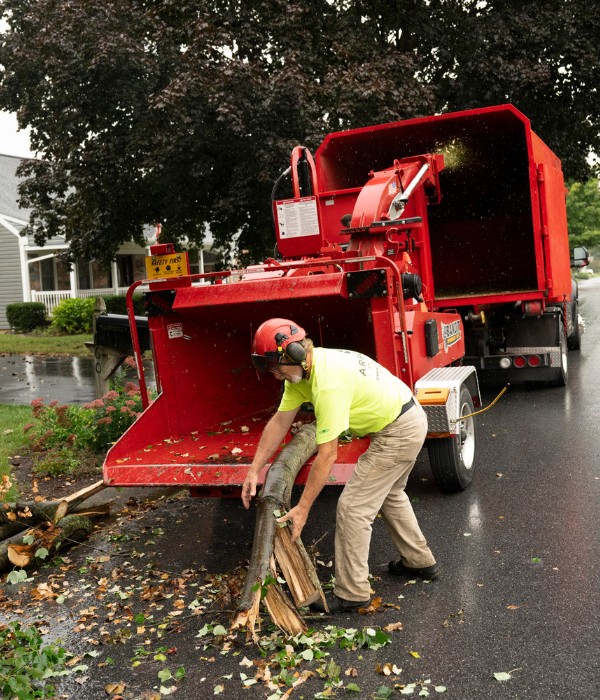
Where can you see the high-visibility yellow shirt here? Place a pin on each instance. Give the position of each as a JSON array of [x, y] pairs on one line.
[[349, 391]]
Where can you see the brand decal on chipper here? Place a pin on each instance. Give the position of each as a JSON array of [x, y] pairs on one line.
[[451, 333]]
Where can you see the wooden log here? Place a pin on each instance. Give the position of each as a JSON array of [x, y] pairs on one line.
[[30, 512], [70, 530], [296, 569], [10, 529], [269, 537], [275, 496], [280, 609]]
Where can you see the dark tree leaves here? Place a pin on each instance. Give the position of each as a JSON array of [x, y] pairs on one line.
[[186, 112]]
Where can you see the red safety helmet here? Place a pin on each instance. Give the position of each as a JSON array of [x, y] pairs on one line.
[[275, 339]]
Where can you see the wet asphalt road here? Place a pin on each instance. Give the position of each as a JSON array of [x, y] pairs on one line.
[[24, 378], [519, 554]]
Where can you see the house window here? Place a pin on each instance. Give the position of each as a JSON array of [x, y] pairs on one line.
[[63, 279], [125, 270], [101, 279], [209, 259], [84, 276], [47, 274], [91, 276]]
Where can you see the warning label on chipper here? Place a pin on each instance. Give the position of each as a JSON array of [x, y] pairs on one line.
[[297, 217]]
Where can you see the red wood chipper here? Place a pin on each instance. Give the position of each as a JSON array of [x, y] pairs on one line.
[[354, 267]]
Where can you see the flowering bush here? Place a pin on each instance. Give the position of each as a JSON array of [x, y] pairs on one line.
[[59, 430], [113, 414]]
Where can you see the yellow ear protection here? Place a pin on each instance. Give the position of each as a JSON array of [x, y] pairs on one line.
[[294, 351]]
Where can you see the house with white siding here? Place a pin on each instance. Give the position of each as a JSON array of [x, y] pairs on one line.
[[33, 273]]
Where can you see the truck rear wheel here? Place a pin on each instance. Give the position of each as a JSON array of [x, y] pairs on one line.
[[452, 459], [561, 374], [574, 340]]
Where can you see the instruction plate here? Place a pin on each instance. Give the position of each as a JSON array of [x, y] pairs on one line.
[[297, 217]]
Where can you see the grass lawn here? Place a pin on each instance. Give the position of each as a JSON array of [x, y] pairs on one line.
[[28, 344], [12, 439]]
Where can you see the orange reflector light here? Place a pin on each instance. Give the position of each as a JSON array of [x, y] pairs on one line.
[[520, 361]]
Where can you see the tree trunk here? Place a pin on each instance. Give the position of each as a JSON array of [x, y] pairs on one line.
[[275, 497]]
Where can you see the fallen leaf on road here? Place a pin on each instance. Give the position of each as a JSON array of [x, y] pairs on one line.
[[393, 626], [114, 688]]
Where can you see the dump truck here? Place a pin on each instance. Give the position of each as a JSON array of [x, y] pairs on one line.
[[434, 245]]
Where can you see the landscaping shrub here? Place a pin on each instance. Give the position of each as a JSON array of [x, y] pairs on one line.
[[26, 315], [74, 316], [64, 437], [118, 305]]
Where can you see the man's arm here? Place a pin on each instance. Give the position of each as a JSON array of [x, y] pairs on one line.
[[275, 430], [319, 473]]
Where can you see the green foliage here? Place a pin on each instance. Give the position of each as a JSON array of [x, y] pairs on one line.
[[583, 212], [65, 437], [27, 315], [57, 461], [74, 315], [113, 414], [188, 111], [117, 304], [27, 665], [44, 343]]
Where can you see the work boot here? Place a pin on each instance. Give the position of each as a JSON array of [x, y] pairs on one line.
[[337, 604], [428, 573]]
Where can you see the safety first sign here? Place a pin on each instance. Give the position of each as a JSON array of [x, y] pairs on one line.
[[159, 267]]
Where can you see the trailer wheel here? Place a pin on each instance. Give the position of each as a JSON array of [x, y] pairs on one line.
[[452, 459]]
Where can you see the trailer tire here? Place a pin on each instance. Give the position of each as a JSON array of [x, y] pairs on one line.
[[452, 459]]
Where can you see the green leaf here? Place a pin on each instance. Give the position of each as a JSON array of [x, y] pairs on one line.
[[41, 553], [352, 688], [219, 631], [180, 673], [16, 576], [139, 619], [28, 539], [165, 674]]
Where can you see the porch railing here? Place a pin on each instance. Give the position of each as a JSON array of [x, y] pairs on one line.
[[53, 298]]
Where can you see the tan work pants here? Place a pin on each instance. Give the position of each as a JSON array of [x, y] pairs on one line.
[[377, 484]]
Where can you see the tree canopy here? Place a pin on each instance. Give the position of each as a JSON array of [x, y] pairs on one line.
[[583, 212], [184, 112]]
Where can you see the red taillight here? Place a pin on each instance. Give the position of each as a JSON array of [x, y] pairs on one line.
[[534, 360], [519, 362]]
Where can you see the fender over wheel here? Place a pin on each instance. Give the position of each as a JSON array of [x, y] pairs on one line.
[[452, 459]]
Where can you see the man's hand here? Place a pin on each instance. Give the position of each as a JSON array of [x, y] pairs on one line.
[[297, 516], [249, 489]]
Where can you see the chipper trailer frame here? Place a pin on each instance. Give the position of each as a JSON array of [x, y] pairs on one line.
[[357, 267]]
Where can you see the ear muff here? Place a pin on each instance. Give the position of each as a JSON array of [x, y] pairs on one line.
[[296, 352]]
